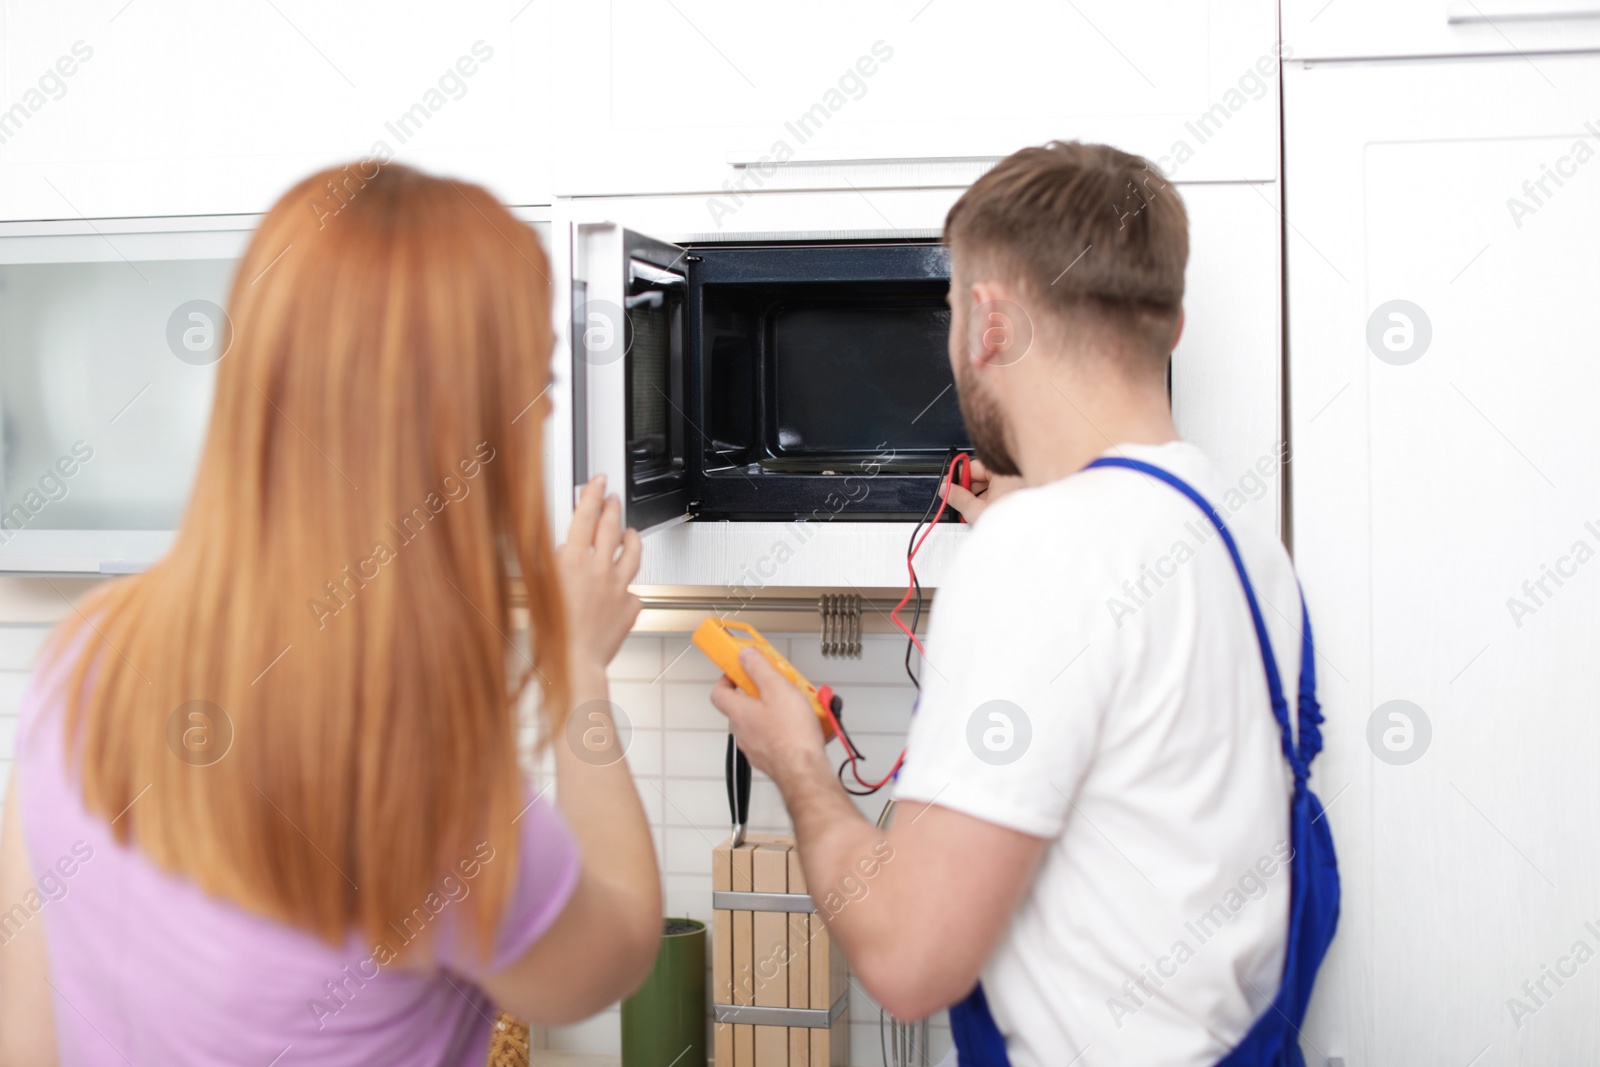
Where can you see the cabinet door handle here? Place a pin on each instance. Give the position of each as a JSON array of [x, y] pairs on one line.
[[1467, 12], [753, 158]]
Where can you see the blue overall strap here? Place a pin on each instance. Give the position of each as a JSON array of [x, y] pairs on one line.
[[1314, 874], [1280, 705], [1274, 1040], [978, 1040]]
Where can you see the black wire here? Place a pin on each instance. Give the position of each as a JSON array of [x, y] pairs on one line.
[[848, 788], [916, 615], [852, 755], [849, 742]]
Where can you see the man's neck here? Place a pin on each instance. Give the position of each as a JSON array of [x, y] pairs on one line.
[[1070, 421]]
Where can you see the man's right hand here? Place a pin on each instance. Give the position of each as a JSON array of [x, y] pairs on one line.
[[986, 489]]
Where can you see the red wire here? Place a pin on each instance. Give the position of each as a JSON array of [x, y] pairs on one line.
[[944, 499], [852, 756], [850, 753]]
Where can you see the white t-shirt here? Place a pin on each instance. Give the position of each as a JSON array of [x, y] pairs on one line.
[[1093, 678]]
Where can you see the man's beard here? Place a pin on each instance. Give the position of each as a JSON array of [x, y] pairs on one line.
[[985, 424]]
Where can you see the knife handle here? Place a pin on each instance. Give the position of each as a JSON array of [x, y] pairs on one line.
[[736, 770]]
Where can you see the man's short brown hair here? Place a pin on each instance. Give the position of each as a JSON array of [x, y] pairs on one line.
[[1081, 229]]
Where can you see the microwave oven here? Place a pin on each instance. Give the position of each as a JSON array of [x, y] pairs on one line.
[[771, 382]]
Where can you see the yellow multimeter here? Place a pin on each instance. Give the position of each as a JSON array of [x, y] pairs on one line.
[[722, 641]]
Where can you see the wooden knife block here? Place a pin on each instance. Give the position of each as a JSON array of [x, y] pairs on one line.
[[777, 968]]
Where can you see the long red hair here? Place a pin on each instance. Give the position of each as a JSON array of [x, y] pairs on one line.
[[341, 584]]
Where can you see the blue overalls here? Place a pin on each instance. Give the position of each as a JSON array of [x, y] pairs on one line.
[[1314, 873]]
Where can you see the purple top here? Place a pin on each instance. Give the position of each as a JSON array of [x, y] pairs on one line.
[[149, 969]]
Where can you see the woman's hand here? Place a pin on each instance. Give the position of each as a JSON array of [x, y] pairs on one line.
[[603, 944], [596, 564], [986, 489]]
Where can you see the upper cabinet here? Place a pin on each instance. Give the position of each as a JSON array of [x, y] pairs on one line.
[[702, 96], [190, 108], [1353, 29], [110, 335], [109, 338]]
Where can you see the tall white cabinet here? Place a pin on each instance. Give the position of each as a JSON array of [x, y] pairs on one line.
[[1441, 266]]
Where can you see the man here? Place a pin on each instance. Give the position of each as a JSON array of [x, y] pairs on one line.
[[1094, 815]]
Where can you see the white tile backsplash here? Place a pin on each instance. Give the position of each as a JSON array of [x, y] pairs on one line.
[[683, 662], [696, 802], [876, 708], [641, 702], [688, 895], [696, 753], [602, 1034], [12, 685], [644, 753], [882, 660], [688, 848], [19, 645], [639, 659], [687, 706]]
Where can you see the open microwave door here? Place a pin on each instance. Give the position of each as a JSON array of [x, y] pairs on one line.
[[628, 296]]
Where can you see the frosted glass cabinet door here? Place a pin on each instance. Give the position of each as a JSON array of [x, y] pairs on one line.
[[108, 349]]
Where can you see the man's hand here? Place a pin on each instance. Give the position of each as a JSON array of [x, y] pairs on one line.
[[778, 730], [926, 903], [986, 489]]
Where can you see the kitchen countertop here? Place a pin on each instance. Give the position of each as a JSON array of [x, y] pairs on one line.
[[551, 1058]]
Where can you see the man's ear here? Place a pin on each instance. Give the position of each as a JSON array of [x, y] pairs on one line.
[[999, 328], [983, 345], [1177, 335]]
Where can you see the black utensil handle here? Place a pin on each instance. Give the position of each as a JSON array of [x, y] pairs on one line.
[[730, 774], [742, 781]]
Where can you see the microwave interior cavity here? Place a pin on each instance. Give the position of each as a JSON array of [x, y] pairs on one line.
[[784, 381]]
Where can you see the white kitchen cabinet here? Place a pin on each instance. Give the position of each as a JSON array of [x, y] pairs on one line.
[[110, 333], [109, 336], [1226, 379], [182, 107], [1355, 29], [1446, 511], [710, 96]]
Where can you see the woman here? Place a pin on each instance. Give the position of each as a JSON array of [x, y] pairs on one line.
[[268, 805]]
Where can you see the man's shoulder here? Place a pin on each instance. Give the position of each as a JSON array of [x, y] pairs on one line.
[[1092, 531], [1103, 513]]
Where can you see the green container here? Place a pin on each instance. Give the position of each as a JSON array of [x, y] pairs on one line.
[[664, 1023]]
